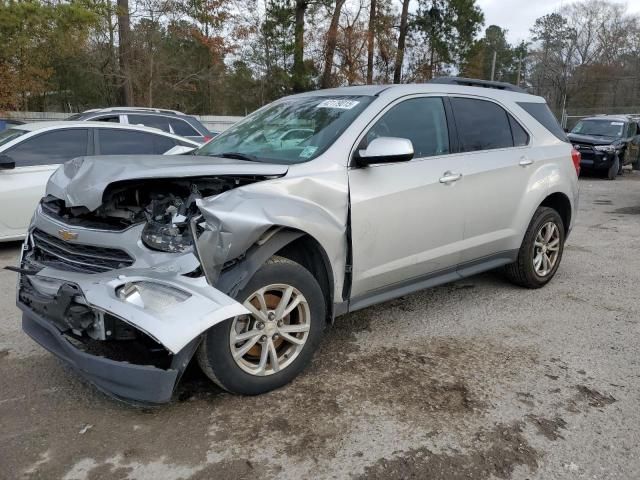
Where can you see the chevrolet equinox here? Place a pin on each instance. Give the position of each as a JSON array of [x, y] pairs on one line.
[[239, 254]]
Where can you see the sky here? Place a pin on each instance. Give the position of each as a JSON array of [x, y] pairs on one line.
[[518, 16]]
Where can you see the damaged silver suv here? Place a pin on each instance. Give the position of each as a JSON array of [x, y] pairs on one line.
[[240, 254]]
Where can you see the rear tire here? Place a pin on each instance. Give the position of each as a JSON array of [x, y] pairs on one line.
[[541, 250], [253, 354]]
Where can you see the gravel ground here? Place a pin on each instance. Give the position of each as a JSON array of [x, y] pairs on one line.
[[477, 379]]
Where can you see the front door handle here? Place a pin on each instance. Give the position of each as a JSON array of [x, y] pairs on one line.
[[450, 177], [525, 162]]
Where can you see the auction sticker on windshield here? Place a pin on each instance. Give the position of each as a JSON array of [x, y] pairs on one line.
[[336, 103], [308, 151]]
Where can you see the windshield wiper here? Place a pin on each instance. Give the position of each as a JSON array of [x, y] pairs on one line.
[[238, 156]]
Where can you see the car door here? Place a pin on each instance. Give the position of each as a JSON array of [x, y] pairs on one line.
[[35, 158], [118, 141], [407, 218], [498, 166]]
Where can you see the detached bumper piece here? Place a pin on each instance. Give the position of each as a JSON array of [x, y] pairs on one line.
[[137, 384], [124, 363]]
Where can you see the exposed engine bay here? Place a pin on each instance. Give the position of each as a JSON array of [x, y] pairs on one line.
[[130, 202]]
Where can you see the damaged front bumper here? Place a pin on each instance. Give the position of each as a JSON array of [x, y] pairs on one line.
[[128, 382], [130, 331]]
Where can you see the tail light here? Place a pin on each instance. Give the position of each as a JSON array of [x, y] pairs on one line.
[[207, 138], [575, 157]]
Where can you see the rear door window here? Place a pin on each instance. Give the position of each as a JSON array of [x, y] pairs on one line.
[[154, 121], [180, 127], [127, 142], [481, 124], [421, 120], [51, 148]]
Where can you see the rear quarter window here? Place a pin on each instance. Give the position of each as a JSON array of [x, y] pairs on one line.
[[154, 121], [180, 127], [541, 112]]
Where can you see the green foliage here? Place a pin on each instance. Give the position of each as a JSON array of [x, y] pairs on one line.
[[36, 37], [229, 57], [509, 59], [448, 28]]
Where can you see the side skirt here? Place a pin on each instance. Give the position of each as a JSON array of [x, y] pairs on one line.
[[429, 280]]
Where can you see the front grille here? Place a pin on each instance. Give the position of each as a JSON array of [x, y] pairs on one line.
[[53, 252]]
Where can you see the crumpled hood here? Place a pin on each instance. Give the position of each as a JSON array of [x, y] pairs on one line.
[[591, 139], [83, 180]]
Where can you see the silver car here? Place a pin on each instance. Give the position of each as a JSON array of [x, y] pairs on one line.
[[240, 254]]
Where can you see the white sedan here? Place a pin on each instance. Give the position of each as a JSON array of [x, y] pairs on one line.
[[30, 153]]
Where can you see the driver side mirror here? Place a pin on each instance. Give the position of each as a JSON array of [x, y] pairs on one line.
[[7, 163], [385, 150]]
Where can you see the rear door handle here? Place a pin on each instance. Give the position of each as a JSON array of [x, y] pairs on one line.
[[525, 162], [450, 177]]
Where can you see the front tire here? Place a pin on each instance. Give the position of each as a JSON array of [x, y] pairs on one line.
[[256, 353], [541, 250], [614, 169]]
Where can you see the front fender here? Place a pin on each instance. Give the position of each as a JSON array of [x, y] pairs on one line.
[[316, 206]]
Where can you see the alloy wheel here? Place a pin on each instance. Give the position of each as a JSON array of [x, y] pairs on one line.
[[546, 249], [273, 335]]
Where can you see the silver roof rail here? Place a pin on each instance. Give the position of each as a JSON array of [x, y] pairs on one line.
[[473, 82], [134, 109]]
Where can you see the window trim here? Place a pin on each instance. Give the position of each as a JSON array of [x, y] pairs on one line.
[[507, 110], [88, 151], [452, 140]]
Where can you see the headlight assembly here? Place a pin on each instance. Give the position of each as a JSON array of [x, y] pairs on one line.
[[607, 148], [167, 237]]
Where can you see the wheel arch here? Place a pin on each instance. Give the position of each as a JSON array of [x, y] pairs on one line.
[[308, 252], [290, 243], [561, 204]]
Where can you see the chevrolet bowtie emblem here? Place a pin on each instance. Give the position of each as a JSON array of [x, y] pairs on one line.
[[67, 235]]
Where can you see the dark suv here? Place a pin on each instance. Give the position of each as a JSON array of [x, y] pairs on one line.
[[166, 120], [606, 143]]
